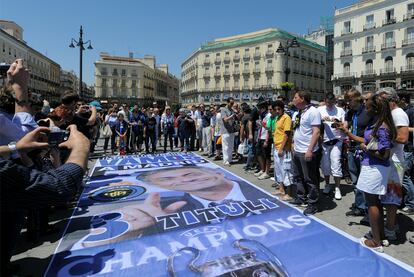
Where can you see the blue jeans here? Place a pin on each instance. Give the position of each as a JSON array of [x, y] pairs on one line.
[[250, 154], [354, 166], [407, 181]]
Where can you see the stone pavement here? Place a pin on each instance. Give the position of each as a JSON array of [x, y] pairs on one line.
[[32, 259]]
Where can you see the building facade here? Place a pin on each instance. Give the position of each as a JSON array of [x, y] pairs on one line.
[[324, 36], [44, 72], [134, 80], [374, 46], [248, 68]]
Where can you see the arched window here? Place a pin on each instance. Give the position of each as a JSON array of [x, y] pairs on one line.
[[389, 65], [347, 69], [369, 67]]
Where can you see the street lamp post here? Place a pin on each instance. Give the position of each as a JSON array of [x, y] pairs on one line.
[[290, 43], [80, 43]]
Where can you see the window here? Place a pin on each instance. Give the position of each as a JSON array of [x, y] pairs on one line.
[[347, 27], [369, 42], [246, 66], [369, 19], [257, 65], [123, 72], [389, 15], [207, 82], [236, 82], [389, 65], [347, 69], [104, 83], [217, 84], [114, 83], [369, 67], [226, 84], [410, 8], [347, 45], [269, 46], [246, 50], [269, 80], [207, 56], [256, 82], [236, 66], [236, 52], [217, 54], [134, 73], [246, 82], [134, 84], [410, 35], [389, 39], [115, 72], [207, 69], [409, 61]]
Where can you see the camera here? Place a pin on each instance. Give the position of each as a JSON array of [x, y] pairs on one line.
[[335, 124], [3, 69], [57, 137]]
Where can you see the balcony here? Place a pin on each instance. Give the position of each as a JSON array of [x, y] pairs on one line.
[[345, 75], [236, 72], [389, 45], [246, 71], [408, 16], [256, 86], [389, 21], [206, 61], [408, 42], [388, 71], [269, 69], [246, 87], [246, 56], [217, 60], [206, 75], [346, 31], [368, 73], [346, 52], [236, 87], [368, 49], [368, 26], [226, 73], [226, 59], [269, 53], [257, 56], [217, 74], [236, 58], [409, 69]]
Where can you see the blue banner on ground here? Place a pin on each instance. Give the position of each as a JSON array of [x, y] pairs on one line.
[[180, 215]]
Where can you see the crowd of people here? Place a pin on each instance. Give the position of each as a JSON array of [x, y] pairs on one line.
[[368, 139]]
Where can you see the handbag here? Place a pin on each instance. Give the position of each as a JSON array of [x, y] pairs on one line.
[[106, 131], [373, 144]]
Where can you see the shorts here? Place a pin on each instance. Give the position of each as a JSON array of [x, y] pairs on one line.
[[394, 193], [263, 151]]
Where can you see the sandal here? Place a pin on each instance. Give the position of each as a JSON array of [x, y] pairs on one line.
[[278, 192], [372, 244], [286, 197]]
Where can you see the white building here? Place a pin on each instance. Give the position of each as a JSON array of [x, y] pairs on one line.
[[249, 68], [374, 45], [134, 80]]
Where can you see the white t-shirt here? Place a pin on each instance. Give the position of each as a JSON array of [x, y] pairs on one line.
[[264, 131], [334, 113], [400, 119], [303, 134]]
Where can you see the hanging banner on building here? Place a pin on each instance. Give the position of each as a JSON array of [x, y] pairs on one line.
[[180, 215]]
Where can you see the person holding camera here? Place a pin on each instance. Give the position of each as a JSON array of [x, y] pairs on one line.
[[23, 187], [332, 116]]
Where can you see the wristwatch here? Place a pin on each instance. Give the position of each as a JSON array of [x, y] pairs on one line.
[[13, 148]]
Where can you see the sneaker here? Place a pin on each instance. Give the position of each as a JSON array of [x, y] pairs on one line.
[[338, 195], [365, 221], [258, 173], [355, 212], [390, 234], [298, 202], [263, 176], [364, 241], [226, 163], [408, 210], [327, 189], [273, 179], [310, 210]]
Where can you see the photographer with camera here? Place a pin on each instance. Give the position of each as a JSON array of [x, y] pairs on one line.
[[24, 188], [332, 116]]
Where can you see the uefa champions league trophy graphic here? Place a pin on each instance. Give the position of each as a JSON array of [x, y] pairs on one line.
[[239, 265]]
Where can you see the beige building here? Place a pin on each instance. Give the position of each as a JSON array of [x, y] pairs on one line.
[[374, 45], [248, 68], [134, 79], [44, 72]]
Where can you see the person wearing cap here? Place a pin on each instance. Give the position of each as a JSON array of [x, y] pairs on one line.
[[393, 198]]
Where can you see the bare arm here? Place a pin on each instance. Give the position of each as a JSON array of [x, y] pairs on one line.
[[92, 118], [402, 134]]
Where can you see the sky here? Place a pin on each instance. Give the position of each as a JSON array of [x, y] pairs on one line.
[[169, 29]]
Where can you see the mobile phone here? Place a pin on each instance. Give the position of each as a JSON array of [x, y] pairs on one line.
[[57, 137]]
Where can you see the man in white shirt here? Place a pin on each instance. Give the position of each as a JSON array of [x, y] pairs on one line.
[[306, 157], [227, 131], [393, 198], [331, 116]]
